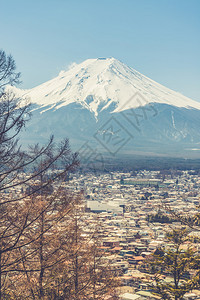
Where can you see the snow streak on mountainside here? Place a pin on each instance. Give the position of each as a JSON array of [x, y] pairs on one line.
[[97, 83]]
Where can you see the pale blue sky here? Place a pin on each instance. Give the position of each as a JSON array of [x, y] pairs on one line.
[[159, 38]]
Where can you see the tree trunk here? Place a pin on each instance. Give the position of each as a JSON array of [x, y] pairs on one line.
[[0, 278], [41, 291], [76, 261]]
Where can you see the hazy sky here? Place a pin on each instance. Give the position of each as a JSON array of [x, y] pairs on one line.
[[159, 38]]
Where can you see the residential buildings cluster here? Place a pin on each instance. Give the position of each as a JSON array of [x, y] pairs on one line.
[[122, 204]]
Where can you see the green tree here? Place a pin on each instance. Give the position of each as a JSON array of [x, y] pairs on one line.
[[176, 261]]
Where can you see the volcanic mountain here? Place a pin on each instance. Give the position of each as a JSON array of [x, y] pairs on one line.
[[115, 109]]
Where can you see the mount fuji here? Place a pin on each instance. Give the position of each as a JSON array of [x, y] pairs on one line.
[[115, 110]]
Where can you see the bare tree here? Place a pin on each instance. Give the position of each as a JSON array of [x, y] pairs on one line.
[[8, 74], [19, 173], [86, 274], [44, 253]]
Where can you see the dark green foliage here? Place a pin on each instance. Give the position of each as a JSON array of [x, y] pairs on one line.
[[176, 261], [160, 218]]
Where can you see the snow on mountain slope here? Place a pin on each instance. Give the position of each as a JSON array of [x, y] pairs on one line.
[[96, 83]]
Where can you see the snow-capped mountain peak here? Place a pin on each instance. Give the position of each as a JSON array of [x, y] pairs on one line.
[[97, 83], [85, 103]]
